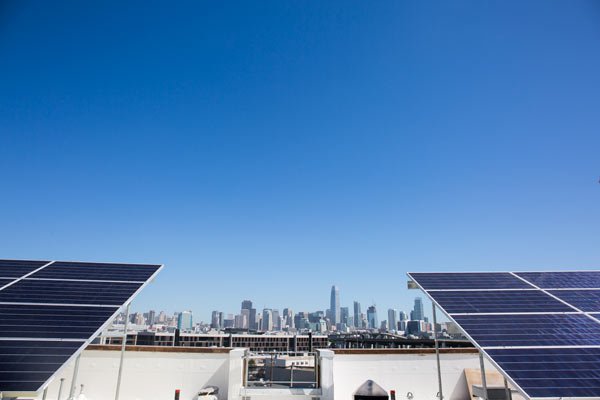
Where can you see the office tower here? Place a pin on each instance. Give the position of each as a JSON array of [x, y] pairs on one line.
[[276, 320], [372, 317], [215, 320], [184, 321], [392, 319], [151, 317], [246, 305], [162, 317], [335, 305], [288, 315], [357, 312], [418, 313], [245, 314], [267, 320], [344, 315]]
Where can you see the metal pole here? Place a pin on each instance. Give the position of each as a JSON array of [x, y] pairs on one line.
[[60, 388], [507, 390], [45, 393], [74, 380], [483, 381], [123, 344], [292, 376], [437, 353]]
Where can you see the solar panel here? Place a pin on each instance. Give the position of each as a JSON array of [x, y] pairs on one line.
[[531, 330], [546, 340], [19, 268], [585, 300], [50, 313], [97, 271], [497, 301], [69, 292], [469, 280], [552, 372], [562, 279]]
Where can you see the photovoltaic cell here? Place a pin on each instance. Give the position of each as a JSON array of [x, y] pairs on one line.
[[50, 322], [563, 279], [97, 271], [18, 268], [551, 372], [531, 330], [497, 301], [68, 292], [26, 365], [475, 280], [585, 300]]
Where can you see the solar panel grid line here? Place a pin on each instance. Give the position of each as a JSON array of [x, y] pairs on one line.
[[483, 290], [58, 304], [80, 280], [521, 313], [26, 275], [487, 356], [41, 339]]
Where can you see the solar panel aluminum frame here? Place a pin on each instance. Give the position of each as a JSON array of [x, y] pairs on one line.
[[474, 342], [85, 343]]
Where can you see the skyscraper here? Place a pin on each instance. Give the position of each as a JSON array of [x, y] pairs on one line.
[[372, 317], [335, 305], [344, 314], [184, 321], [247, 305], [418, 313], [215, 321], [267, 320], [392, 319], [357, 313]]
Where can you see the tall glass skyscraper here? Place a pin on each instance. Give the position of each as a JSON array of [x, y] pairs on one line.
[[372, 317], [392, 319], [184, 321], [335, 305], [418, 313], [357, 312]]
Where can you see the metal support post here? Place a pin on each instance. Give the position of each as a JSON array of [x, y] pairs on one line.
[[123, 345], [45, 393], [507, 390], [437, 353], [62, 380], [483, 381], [74, 380]]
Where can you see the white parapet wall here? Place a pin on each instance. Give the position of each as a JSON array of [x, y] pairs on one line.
[[412, 373], [148, 373]]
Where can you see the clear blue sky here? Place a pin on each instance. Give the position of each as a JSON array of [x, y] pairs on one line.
[[268, 150]]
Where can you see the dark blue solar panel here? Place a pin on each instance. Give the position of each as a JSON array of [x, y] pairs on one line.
[[459, 280], [585, 300], [552, 372], [26, 365], [97, 271], [564, 279], [508, 301], [531, 330], [39, 321], [18, 268], [61, 292]]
